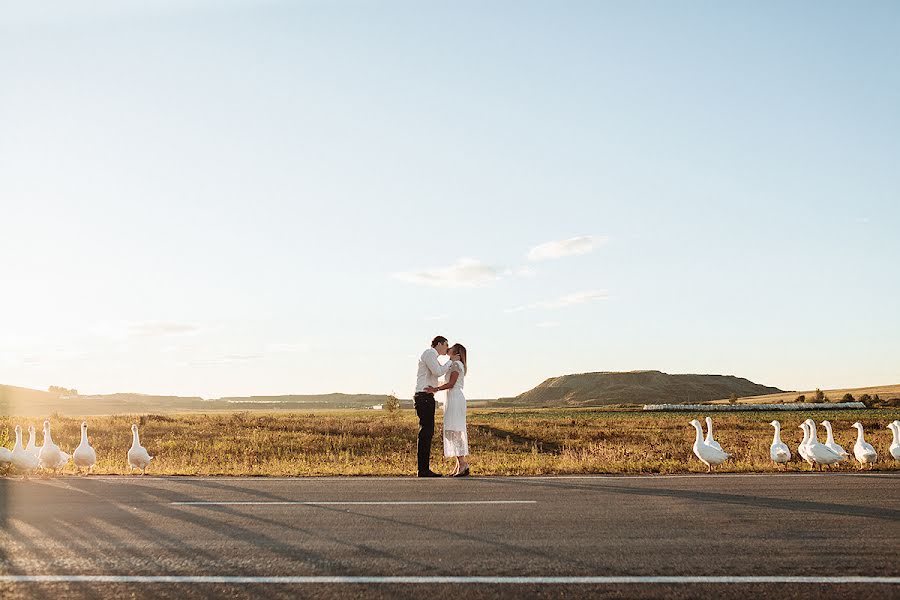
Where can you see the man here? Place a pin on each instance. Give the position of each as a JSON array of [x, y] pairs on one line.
[[426, 380]]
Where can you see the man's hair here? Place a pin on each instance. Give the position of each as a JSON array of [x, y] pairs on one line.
[[438, 340]]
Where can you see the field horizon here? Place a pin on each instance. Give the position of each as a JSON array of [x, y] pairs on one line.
[[502, 441]]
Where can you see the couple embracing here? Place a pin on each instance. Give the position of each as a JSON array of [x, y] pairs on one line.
[[456, 441]]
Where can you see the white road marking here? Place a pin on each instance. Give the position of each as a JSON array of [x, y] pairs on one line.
[[607, 580], [347, 503]]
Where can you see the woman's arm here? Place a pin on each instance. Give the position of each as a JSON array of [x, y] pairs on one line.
[[453, 377]]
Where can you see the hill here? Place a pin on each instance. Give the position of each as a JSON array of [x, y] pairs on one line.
[[635, 387], [889, 394], [29, 402]]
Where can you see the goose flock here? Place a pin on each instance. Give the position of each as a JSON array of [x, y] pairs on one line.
[[50, 458], [811, 450]]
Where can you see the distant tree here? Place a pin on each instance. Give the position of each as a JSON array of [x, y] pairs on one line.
[[848, 397], [733, 398], [392, 404], [876, 399], [866, 399], [819, 397], [62, 391], [801, 398]]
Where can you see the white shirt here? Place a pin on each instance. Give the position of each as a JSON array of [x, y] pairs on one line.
[[430, 369]]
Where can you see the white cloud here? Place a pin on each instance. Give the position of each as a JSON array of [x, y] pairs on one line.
[[159, 328], [224, 360], [570, 247], [288, 348], [528, 272], [466, 272], [563, 301]]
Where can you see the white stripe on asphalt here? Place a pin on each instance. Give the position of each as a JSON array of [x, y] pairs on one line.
[[610, 580], [347, 503]]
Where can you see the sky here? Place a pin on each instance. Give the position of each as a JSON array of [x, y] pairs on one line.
[[235, 198]]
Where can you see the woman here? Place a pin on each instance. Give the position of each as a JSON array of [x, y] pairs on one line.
[[456, 441]]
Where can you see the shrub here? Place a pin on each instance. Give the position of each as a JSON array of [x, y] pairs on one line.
[[801, 398], [392, 404], [819, 397], [733, 398], [848, 397]]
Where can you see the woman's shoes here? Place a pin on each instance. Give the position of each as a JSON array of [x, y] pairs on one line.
[[463, 473]]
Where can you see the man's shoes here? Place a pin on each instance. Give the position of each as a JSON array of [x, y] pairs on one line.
[[429, 474], [464, 473]]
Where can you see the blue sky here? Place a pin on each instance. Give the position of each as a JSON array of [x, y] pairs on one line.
[[220, 198]]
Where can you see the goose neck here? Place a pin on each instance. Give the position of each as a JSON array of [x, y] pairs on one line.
[[84, 439], [859, 436], [699, 437], [830, 439]]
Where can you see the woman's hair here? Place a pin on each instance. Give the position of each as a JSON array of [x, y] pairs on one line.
[[461, 350]]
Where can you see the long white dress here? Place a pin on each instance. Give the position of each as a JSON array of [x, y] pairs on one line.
[[456, 440]]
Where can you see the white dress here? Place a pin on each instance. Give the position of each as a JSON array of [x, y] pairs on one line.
[[456, 440]]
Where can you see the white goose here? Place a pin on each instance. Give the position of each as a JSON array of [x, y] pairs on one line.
[[895, 445], [30, 447], [830, 440], [801, 449], [778, 451], [707, 454], [24, 461], [51, 457], [84, 456], [5, 456], [863, 451], [709, 435], [138, 457], [820, 453]]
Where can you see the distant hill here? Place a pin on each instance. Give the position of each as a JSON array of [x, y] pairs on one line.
[[635, 387], [28, 402], [889, 396]]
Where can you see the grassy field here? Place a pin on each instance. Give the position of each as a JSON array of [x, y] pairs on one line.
[[886, 392], [502, 442]]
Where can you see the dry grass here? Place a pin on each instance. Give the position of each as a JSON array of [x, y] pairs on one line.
[[503, 442], [885, 392]]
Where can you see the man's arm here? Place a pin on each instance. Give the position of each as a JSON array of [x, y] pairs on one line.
[[453, 377], [431, 361]]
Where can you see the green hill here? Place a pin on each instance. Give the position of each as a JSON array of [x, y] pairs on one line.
[[635, 387], [27, 402]]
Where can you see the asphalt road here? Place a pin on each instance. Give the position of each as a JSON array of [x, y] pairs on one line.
[[689, 529]]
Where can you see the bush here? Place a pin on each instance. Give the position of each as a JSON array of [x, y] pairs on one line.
[[733, 398], [870, 401], [801, 398], [819, 397], [848, 397], [392, 404]]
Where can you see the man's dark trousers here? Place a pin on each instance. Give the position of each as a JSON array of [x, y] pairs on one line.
[[424, 403]]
